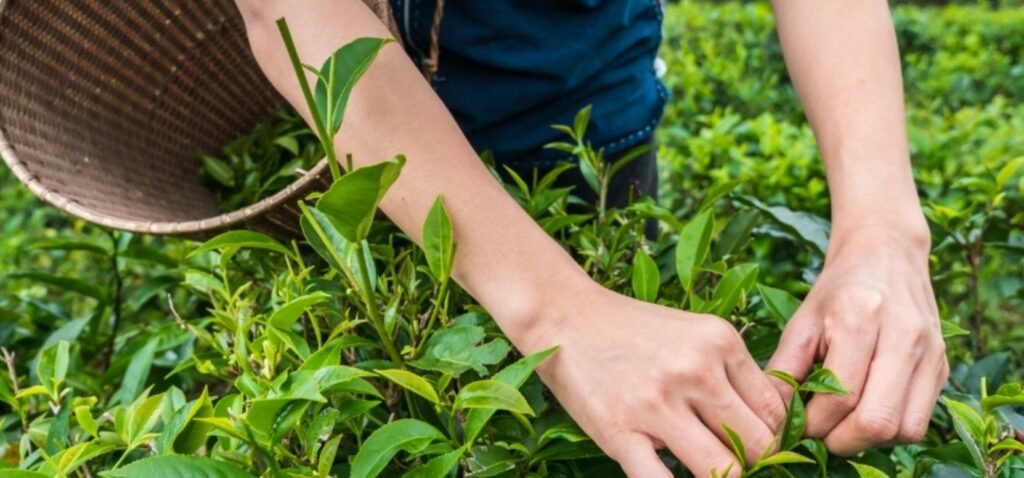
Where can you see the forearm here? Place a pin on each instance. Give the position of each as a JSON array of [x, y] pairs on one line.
[[844, 61], [503, 258]]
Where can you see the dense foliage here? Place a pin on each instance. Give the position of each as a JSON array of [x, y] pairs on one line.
[[352, 353]]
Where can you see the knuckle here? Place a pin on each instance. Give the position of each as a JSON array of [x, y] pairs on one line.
[[774, 411], [878, 425], [724, 337], [913, 432], [859, 301]]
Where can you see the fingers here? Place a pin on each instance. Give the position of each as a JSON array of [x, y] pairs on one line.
[[878, 416], [699, 449], [798, 347], [849, 357], [924, 392], [733, 412], [636, 454], [758, 393]]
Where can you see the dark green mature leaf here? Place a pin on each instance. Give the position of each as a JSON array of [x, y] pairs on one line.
[[458, 349], [219, 170], [492, 394], [810, 229], [195, 433], [439, 241], [692, 249], [339, 75], [439, 466], [69, 245], [351, 203], [779, 303], [137, 373], [67, 283], [646, 277], [243, 240], [403, 435], [177, 466], [514, 375], [736, 233]]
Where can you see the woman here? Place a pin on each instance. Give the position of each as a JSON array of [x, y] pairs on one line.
[[507, 69]]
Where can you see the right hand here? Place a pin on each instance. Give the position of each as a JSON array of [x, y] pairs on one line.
[[638, 377]]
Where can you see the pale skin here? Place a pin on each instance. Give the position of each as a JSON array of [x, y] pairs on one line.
[[636, 376]]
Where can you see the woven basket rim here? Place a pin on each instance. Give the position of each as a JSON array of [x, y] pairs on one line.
[[194, 227], [202, 227]]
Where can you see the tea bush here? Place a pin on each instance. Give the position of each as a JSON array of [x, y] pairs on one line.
[[352, 353]]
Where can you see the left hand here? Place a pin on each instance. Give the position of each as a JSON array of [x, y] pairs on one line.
[[871, 316]]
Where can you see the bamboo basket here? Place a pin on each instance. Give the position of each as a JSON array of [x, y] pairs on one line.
[[104, 105]]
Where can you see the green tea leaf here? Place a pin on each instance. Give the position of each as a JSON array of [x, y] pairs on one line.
[[646, 277], [514, 375], [458, 349], [823, 380], [439, 466], [734, 285], [779, 303], [338, 78], [137, 374], [796, 423], [970, 427], [219, 170], [492, 394], [243, 240], [867, 471], [351, 203], [177, 466], [286, 316], [950, 329], [412, 382], [692, 249], [738, 450], [52, 366], [438, 241], [67, 283], [403, 435]]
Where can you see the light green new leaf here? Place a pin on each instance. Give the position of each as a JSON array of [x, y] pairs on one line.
[[439, 241], [781, 458], [823, 380], [52, 366], [284, 317], [646, 277], [339, 76], [403, 435], [970, 427], [351, 203], [242, 240], [460, 348], [177, 466], [328, 242], [738, 450], [950, 329], [494, 395], [868, 471], [692, 249], [733, 285], [514, 375], [21, 474], [411, 382]]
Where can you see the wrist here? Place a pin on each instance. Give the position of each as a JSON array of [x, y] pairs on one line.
[[908, 233], [536, 325]]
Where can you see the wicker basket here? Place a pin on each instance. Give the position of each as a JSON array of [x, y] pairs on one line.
[[103, 106]]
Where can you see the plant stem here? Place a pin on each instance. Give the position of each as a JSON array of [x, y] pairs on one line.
[[442, 298], [108, 354], [370, 297], [307, 93]]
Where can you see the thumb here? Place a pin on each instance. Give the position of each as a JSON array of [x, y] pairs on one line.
[[798, 347]]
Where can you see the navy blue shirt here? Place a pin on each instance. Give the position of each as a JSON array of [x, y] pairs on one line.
[[511, 68]]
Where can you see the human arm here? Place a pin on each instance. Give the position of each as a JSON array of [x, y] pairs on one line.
[[536, 292], [871, 315]]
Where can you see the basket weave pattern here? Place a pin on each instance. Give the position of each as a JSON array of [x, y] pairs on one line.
[[104, 105]]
